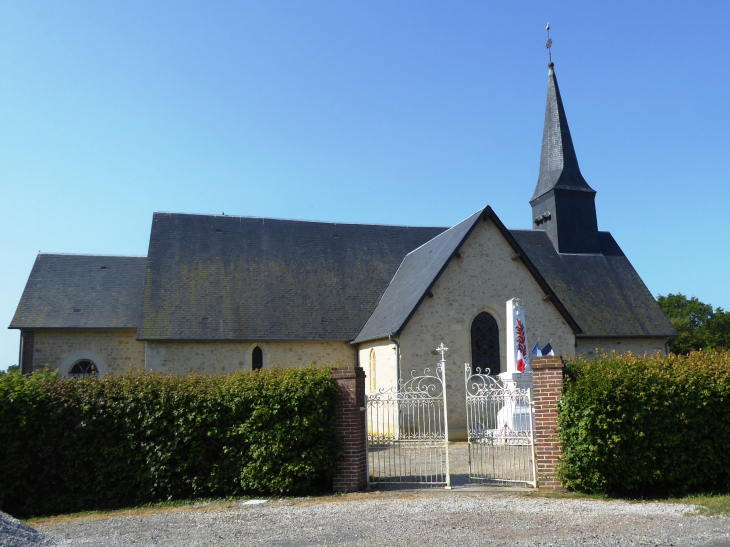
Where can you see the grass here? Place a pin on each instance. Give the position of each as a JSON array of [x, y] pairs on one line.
[[706, 504], [213, 505], [202, 505], [565, 495]]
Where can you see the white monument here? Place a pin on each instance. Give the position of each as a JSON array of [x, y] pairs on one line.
[[518, 374]]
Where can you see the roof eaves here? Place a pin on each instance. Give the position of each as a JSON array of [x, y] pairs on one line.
[[262, 340], [370, 338], [627, 335]]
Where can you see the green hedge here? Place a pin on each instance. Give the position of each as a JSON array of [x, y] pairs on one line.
[[74, 445], [647, 426]]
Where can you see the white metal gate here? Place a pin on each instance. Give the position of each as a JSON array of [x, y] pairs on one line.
[[408, 431], [501, 431]]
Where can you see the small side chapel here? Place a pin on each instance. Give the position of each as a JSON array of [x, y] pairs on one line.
[[224, 293]]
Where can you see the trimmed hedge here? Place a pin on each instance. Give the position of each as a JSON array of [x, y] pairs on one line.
[[75, 445], [647, 426]]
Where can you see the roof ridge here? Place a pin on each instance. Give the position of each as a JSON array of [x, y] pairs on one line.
[[300, 220], [91, 254], [384, 320], [400, 286], [480, 211]]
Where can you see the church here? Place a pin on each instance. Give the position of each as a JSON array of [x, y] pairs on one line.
[[218, 294]]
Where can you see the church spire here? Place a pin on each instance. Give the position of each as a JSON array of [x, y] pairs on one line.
[[558, 162], [563, 204]]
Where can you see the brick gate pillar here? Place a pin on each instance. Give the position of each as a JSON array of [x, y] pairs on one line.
[[547, 378], [351, 430]]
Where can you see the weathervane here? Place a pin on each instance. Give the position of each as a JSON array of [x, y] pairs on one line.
[[549, 43]]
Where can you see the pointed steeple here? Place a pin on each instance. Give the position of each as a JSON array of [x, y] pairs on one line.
[[558, 162], [563, 204]]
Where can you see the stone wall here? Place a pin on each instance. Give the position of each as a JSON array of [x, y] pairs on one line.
[[483, 279], [117, 351], [384, 375], [113, 351], [225, 357], [593, 347]]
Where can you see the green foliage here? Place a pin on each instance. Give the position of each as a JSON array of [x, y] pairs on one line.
[[634, 426], [698, 325], [74, 445], [11, 368]]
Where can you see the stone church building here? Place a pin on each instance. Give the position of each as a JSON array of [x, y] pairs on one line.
[[223, 293]]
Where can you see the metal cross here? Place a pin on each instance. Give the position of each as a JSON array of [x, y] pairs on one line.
[[549, 43]]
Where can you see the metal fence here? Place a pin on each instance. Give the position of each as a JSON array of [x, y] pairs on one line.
[[501, 431], [408, 431]]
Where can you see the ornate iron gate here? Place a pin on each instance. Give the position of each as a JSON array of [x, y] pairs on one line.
[[501, 431], [408, 431]]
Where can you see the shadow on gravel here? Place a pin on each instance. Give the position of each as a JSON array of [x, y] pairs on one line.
[[14, 533]]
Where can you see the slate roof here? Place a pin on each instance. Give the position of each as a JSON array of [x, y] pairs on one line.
[[107, 291], [416, 275], [420, 270], [558, 161], [598, 295], [602, 292], [242, 278]]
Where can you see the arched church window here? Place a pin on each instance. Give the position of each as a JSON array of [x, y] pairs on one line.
[[257, 358], [371, 371], [485, 345], [84, 369]]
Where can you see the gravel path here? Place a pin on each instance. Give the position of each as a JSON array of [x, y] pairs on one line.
[[14, 533], [436, 517]]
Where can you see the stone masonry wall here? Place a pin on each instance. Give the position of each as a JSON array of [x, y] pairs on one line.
[[113, 351], [384, 376], [638, 346], [225, 357], [483, 279]]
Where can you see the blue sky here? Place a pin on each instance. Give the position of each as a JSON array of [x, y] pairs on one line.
[[379, 112]]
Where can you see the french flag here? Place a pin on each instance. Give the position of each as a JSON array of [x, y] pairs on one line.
[[536, 351], [520, 362]]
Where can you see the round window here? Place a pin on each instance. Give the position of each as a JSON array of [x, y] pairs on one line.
[[84, 369]]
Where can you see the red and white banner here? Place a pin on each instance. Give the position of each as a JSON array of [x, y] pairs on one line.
[[516, 337]]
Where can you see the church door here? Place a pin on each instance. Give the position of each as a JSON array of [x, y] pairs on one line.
[[485, 345]]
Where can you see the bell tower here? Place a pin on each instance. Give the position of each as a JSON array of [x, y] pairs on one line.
[[563, 204]]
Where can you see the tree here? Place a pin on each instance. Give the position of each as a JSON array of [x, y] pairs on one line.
[[698, 324], [13, 368]]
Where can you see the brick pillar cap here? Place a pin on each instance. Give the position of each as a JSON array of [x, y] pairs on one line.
[[344, 372], [542, 363]]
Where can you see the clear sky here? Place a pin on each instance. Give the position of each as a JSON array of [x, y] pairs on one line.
[[405, 112]]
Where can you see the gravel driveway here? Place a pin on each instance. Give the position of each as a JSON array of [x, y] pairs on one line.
[[435, 517]]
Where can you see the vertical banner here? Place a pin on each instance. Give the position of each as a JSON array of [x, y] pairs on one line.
[[517, 358]]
